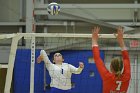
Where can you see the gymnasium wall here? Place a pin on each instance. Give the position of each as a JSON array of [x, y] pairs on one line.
[[22, 73], [9, 10]]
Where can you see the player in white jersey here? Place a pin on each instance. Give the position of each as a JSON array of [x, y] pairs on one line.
[[60, 72]]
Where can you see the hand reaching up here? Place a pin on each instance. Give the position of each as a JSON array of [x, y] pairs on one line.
[[81, 64], [119, 37], [39, 59], [95, 36]]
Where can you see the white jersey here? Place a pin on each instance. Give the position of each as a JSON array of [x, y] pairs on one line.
[[60, 74]]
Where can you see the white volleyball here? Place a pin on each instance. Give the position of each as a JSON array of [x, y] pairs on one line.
[[53, 8]]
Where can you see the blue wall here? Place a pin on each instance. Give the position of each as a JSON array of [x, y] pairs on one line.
[[83, 83], [22, 73]]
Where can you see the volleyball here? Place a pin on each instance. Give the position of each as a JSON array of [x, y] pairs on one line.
[[53, 8]]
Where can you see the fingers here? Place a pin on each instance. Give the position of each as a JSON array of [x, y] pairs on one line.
[[81, 64], [119, 34], [95, 32], [39, 59], [96, 29], [120, 30]]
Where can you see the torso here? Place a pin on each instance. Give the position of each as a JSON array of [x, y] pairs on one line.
[[60, 76], [114, 85]]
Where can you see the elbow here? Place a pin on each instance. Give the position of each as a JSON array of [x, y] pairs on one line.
[[79, 71], [128, 75]]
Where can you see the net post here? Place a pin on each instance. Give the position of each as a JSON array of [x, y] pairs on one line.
[[32, 64], [11, 63]]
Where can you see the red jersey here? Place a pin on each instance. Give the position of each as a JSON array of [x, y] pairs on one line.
[[111, 84]]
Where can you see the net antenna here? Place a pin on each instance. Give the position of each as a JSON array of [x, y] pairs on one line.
[[32, 37]]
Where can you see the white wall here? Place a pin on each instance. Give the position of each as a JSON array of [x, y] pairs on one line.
[[9, 29], [4, 55]]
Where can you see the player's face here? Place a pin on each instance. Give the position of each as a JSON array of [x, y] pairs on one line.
[[58, 58]]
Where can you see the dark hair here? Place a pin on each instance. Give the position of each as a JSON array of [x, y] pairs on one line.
[[117, 66]]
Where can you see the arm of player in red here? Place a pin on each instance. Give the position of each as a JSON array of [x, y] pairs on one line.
[[96, 54], [125, 54], [99, 63], [126, 61]]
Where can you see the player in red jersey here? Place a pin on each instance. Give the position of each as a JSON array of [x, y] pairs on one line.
[[116, 81]]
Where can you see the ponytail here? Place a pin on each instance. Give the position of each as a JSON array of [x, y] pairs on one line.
[[118, 74], [117, 66]]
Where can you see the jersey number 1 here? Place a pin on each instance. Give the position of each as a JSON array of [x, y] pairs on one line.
[[119, 85]]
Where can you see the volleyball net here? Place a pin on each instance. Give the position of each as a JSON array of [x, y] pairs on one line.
[[20, 51]]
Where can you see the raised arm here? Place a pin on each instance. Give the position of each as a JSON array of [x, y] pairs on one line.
[[119, 37], [43, 57], [125, 54], [96, 54], [77, 70]]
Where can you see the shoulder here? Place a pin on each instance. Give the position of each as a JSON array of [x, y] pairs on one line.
[[65, 64]]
